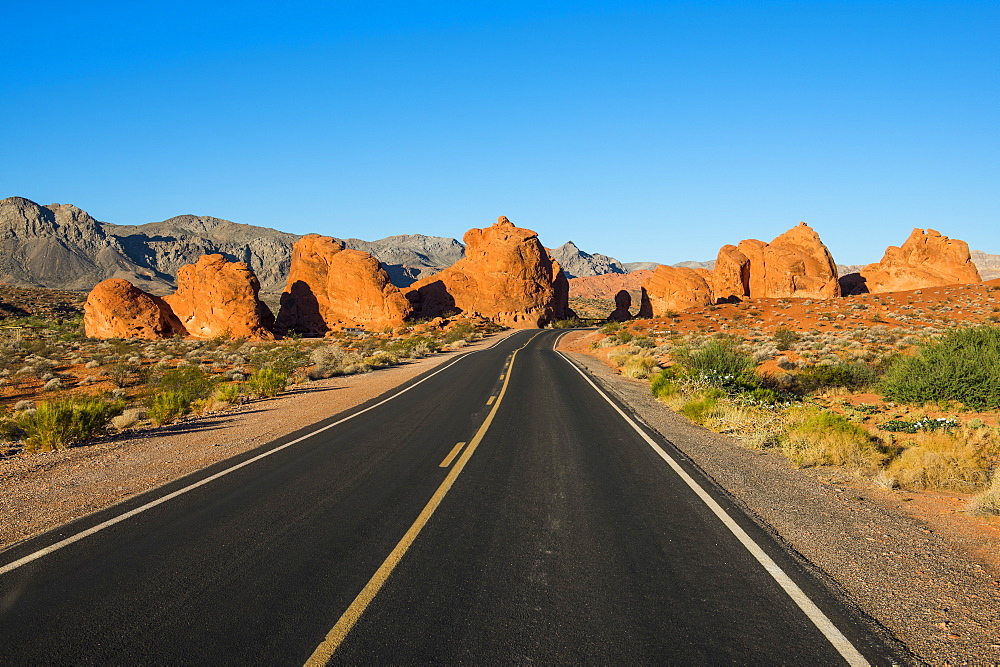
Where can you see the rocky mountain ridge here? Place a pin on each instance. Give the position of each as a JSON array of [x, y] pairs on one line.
[[61, 246]]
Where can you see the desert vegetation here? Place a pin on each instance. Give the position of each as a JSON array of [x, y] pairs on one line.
[[59, 388], [907, 400]]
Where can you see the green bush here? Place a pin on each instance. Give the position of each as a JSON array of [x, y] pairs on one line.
[[664, 383], [784, 338], [189, 382], [569, 323], [58, 424], [964, 365], [267, 383], [167, 406], [718, 357], [699, 411], [228, 393], [852, 375]]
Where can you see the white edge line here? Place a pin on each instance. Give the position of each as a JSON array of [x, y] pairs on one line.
[[9, 567], [815, 614]]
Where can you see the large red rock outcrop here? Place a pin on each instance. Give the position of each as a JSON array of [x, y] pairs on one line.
[[926, 259], [216, 297], [116, 308], [795, 263], [673, 288], [506, 276], [330, 286]]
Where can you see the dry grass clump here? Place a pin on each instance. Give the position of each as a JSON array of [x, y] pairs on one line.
[[955, 461], [819, 437], [987, 503], [639, 366]]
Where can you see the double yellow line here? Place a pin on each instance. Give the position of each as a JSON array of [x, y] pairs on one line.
[[338, 633]]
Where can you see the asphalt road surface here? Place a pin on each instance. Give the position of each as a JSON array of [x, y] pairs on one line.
[[559, 532]]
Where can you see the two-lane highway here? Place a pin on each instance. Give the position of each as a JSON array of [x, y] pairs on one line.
[[556, 533]]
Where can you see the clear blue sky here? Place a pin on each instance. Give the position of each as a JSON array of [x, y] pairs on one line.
[[644, 130]]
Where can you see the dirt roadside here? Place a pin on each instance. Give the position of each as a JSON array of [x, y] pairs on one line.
[[39, 492], [939, 600]]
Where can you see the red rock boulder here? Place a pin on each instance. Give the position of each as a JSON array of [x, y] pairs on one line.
[[673, 288], [216, 297], [116, 308], [506, 276], [926, 259], [330, 286]]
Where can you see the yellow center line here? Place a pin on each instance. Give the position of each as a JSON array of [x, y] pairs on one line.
[[490, 400], [338, 633], [451, 456]]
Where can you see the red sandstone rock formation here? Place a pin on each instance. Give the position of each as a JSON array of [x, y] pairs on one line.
[[672, 288], [926, 259], [116, 308], [330, 286], [623, 302], [607, 285], [796, 263], [506, 276], [731, 275], [217, 297]]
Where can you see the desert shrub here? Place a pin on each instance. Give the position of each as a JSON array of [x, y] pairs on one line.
[[784, 338], [610, 328], [852, 375], [167, 406], [820, 437], [124, 374], [763, 395], [126, 419], [267, 383], [717, 359], [957, 461], [664, 383], [963, 365], [916, 426], [643, 341], [57, 424], [382, 358], [283, 359], [700, 410], [227, 393], [639, 366], [189, 382], [460, 331]]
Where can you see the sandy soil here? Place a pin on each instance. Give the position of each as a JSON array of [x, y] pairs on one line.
[[39, 492], [914, 562]]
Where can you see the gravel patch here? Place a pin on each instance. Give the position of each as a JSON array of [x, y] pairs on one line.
[[941, 603], [39, 492]]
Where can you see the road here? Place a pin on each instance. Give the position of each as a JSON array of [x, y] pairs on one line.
[[559, 532]]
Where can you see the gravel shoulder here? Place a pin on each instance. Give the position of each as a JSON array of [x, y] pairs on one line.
[[39, 492], [937, 599]]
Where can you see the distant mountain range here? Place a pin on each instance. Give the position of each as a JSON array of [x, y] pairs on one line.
[[64, 247]]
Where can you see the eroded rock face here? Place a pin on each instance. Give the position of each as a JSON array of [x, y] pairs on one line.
[[926, 259], [673, 288], [606, 286], [795, 263], [116, 308], [217, 297], [330, 286], [506, 276], [731, 275]]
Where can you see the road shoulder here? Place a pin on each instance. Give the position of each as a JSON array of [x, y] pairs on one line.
[[940, 603]]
